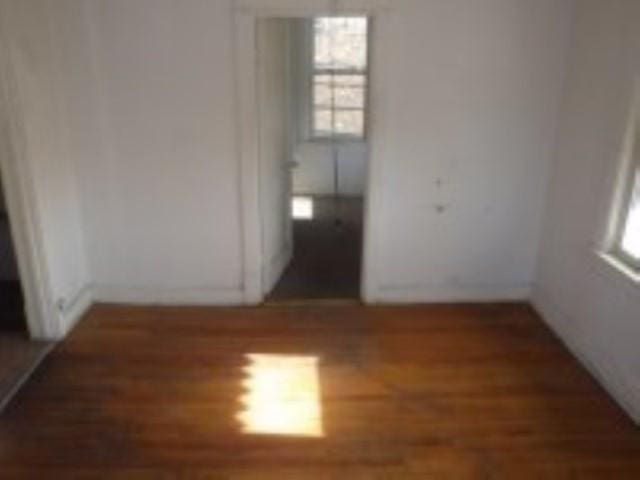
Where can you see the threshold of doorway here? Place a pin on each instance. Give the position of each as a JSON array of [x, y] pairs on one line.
[[313, 302]]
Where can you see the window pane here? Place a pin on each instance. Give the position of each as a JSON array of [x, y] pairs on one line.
[[322, 95], [322, 42], [328, 96], [631, 233], [340, 43], [322, 122], [347, 97], [349, 122], [341, 91], [323, 79], [339, 95]]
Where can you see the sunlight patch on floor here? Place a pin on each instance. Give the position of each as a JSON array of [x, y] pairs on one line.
[[302, 208], [283, 396]]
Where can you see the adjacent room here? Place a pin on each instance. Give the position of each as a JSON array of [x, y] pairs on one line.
[[18, 355], [320, 239], [312, 98]]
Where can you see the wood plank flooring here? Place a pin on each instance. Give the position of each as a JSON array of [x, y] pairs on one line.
[[439, 392]]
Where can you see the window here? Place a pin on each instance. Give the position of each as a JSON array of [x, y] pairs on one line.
[[627, 238], [339, 77]]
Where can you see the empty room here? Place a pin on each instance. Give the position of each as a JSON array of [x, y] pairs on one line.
[[320, 239]]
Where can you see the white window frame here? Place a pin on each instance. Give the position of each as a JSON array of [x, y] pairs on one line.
[[626, 184], [625, 209], [312, 134]]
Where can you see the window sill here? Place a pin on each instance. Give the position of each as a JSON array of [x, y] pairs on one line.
[[616, 270]]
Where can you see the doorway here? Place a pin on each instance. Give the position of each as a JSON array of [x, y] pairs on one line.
[[312, 94], [18, 354], [12, 316]]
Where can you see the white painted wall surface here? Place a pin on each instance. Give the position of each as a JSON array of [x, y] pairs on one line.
[[464, 100], [593, 307], [316, 170], [274, 92], [164, 221], [464, 106], [44, 39], [468, 98]]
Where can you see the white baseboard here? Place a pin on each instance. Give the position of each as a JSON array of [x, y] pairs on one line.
[[201, 296], [76, 308], [441, 293], [599, 363], [89, 295]]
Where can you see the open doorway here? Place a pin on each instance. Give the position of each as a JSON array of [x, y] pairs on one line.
[[313, 76], [12, 316], [18, 354]]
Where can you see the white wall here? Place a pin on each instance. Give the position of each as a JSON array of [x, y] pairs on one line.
[[162, 203], [274, 87], [316, 169], [592, 306], [44, 39], [464, 107], [462, 138], [466, 120]]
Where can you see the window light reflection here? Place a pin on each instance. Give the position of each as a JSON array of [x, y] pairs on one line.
[[631, 236], [302, 208], [283, 396]]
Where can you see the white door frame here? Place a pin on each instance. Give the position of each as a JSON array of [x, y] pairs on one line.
[[24, 217], [246, 14]]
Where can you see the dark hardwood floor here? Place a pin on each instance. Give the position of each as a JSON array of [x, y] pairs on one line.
[[327, 253], [19, 356], [446, 392]]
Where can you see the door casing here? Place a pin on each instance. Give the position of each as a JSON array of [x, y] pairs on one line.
[[43, 321], [246, 14]]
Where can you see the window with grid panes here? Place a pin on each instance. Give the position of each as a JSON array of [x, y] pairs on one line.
[[339, 77]]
